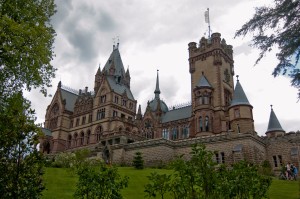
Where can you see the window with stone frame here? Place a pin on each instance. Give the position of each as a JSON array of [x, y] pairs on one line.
[[116, 99], [220, 157], [175, 133], [200, 124], [115, 113], [81, 139], [165, 133], [101, 114], [75, 140], [98, 133], [185, 132], [69, 142], [90, 118], [124, 102], [277, 160], [77, 121], [206, 123], [227, 97], [102, 99], [88, 135], [83, 120], [71, 124]]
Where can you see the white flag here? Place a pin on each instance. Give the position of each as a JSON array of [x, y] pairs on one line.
[[206, 15]]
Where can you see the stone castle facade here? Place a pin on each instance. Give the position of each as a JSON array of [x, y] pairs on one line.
[[107, 120]]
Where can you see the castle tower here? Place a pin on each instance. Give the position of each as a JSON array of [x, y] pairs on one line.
[[240, 111], [274, 127], [212, 57]]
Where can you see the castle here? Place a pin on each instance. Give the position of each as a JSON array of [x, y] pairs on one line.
[[108, 122]]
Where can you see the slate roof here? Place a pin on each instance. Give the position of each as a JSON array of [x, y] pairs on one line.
[[203, 82], [163, 105], [47, 132], [177, 114], [119, 88], [115, 58], [239, 96], [70, 99], [274, 124]]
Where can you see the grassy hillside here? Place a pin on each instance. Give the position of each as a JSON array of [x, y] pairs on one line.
[[60, 183]]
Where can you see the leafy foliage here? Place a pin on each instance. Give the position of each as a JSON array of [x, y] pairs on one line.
[[25, 53], [20, 162], [99, 182], [200, 177], [278, 25], [138, 161]]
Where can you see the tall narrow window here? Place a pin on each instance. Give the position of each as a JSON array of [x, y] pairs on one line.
[[174, 133], [223, 157], [102, 99], [83, 120], [90, 118], [88, 135], [275, 161], [200, 124], [206, 123], [99, 132], [217, 157], [165, 134]]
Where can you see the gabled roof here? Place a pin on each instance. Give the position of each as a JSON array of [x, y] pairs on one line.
[[239, 96], [70, 99], [177, 114], [203, 82], [274, 124], [119, 88], [115, 59]]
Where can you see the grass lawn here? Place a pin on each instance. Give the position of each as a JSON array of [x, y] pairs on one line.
[[61, 184]]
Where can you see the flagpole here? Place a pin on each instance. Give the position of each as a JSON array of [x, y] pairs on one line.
[[208, 22]]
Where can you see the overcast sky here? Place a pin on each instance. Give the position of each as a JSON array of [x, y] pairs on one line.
[[153, 35]]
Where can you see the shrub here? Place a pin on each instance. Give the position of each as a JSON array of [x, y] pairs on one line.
[[138, 161]]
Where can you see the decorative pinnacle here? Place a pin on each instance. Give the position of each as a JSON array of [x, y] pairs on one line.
[[271, 106], [237, 76]]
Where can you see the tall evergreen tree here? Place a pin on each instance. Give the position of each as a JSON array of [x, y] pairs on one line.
[[278, 26]]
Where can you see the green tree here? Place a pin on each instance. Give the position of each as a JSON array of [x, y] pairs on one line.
[[200, 177], [26, 40], [99, 182], [278, 26], [138, 161]]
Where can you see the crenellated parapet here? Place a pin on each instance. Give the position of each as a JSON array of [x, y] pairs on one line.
[[213, 46]]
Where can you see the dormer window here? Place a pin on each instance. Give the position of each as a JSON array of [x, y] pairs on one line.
[[124, 102], [103, 99]]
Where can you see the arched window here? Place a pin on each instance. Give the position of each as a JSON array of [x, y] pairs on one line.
[[200, 124], [206, 123], [81, 138], [75, 139], [69, 141], [88, 135]]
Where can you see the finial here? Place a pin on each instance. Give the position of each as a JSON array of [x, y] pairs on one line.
[[271, 107], [118, 41], [237, 76]]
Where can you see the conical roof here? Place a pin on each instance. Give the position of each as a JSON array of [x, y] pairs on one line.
[[274, 124], [203, 82], [239, 96]]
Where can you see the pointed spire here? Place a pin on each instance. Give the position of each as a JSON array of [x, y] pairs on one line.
[[139, 113], [157, 91], [274, 124], [239, 96]]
